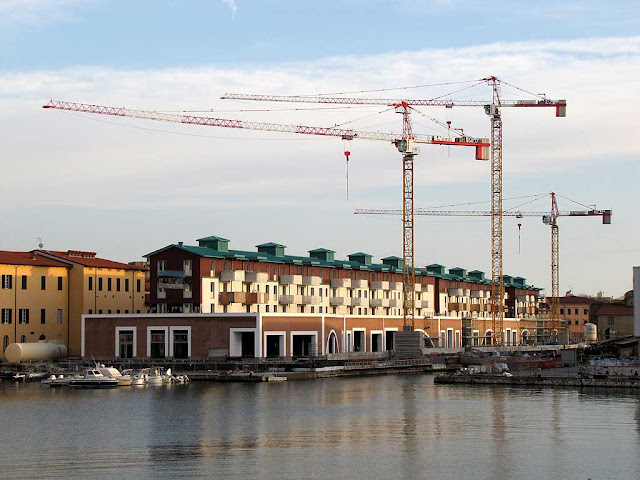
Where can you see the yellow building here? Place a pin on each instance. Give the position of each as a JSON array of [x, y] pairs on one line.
[[575, 311], [34, 298], [99, 286], [44, 294]]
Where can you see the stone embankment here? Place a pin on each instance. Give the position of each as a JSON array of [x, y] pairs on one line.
[[542, 381]]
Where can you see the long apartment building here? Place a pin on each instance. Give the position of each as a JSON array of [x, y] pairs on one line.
[[211, 278], [45, 293]]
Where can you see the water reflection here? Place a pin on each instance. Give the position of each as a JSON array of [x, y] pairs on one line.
[[396, 426]]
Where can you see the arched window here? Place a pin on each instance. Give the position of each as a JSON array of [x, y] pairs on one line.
[[5, 343], [42, 337], [23, 339], [332, 344], [488, 338]]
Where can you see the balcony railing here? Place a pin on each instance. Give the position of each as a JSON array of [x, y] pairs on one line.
[[290, 299], [255, 277], [380, 285], [310, 300], [290, 279], [232, 275], [311, 280], [340, 282], [338, 301], [171, 273]]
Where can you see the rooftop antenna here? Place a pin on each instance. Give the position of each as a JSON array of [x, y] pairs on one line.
[[40, 244]]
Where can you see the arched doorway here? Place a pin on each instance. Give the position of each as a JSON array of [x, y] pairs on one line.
[[524, 337], [332, 343], [5, 343], [23, 339]]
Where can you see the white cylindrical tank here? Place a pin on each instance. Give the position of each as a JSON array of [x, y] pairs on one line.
[[24, 352], [590, 332]]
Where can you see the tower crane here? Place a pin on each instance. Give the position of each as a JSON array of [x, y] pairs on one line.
[[493, 110], [548, 218], [405, 143]]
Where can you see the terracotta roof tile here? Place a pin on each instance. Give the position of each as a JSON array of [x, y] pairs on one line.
[[615, 309], [89, 259], [29, 258]]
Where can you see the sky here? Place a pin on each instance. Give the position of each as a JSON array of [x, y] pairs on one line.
[[125, 187]]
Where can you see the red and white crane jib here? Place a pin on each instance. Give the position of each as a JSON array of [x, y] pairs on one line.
[[481, 144]]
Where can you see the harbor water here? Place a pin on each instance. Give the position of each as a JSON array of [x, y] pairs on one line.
[[400, 426]]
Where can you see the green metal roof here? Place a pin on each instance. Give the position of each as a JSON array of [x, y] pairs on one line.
[[208, 252]]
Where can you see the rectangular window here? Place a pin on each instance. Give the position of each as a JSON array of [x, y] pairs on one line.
[[6, 316], [125, 344], [180, 344], [158, 344], [118, 311], [59, 316], [562, 311], [24, 282], [100, 311], [576, 311], [267, 308], [109, 311], [100, 283], [586, 311], [117, 284], [90, 283], [187, 265], [126, 284], [43, 282], [90, 311], [23, 316], [109, 284], [59, 283], [6, 282], [43, 315], [138, 285], [162, 265]]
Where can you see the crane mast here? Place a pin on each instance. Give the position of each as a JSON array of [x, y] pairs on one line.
[[497, 283]]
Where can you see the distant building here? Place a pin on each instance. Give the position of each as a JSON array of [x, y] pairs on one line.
[[576, 311], [53, 289], [614, 320], [34, 298]]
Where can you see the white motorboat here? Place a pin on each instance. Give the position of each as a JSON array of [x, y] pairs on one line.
[[154, 378], [93, 379], [111, 372], [139, 378], [59, 381]]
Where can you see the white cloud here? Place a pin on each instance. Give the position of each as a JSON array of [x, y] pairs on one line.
[[233, 6]]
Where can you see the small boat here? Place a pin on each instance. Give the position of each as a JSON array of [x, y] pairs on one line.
[[111, 372], [139, 378], [154, 378], [93, 379], [59, 381]]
